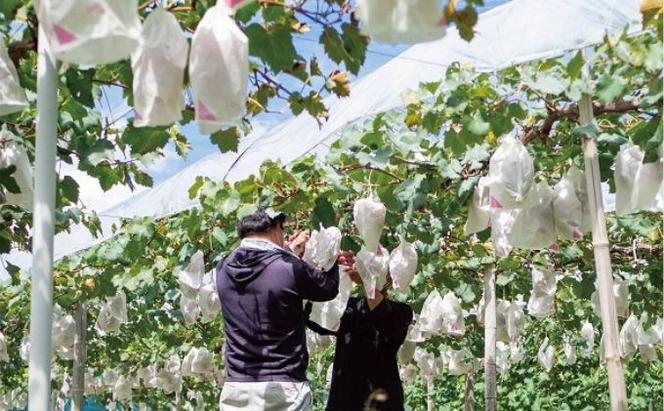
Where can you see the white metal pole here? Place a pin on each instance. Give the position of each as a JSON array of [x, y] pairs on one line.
[[39, 376]]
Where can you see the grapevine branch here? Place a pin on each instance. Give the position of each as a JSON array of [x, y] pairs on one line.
[[571, 112]]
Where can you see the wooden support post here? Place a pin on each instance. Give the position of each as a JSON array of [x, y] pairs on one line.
[[490, 397], [80, 354], [430, 387], [617, 391], [469, 393]]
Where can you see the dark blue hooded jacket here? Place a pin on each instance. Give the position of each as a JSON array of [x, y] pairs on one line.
[[261, 294]]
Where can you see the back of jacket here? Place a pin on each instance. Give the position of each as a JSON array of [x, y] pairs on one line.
[[261, 294]]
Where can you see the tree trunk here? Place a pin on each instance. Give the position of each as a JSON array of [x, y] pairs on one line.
[[490, 339], [617, 391], [80, 353]]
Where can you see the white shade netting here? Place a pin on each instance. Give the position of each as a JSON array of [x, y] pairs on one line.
[[403, 265], [533, 227], [546, 355], [542, 296], [511, 173], [218, 68], [369, 217], [113, 313], [190, 278], [323, 248], [328, 314], [373, 269], [13, 154], [158, 66], [401, 21], [479, 209], [12, 96], [4, 357], [621, 295], [90, 32]]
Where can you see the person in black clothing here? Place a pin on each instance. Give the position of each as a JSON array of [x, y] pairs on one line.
[[365, 374]]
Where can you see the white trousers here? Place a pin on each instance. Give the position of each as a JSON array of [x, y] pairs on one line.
[[265, 396]]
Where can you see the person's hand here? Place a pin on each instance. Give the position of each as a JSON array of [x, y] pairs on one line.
[[346, 258], [298, 241], [354, 275]]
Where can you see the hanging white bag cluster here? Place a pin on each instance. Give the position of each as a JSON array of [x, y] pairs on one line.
[[401, 21], [542, 297], [90, 32], [479, 209], [369, 217], [13, 154], [12, 96], [634, 335], [158, 68], [441, 315], [198, 362], [198, 295], [511, 172], [218, 70], [403, 265], [638, 184], [588, 335], [533, 227], [459, 362], [169, 378], [113, 313], [323, 248], [373, 269], [208, 302]]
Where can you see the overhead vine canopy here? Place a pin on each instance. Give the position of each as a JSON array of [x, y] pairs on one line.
[[423, 162]]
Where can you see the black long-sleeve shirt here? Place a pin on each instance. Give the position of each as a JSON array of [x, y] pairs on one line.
[[365, 359], [261, 293]]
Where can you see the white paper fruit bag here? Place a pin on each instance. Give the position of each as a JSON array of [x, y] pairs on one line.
[[567, 210], [502, 224], [627, 166], [570, 352], [218, 70], [430, 320], [401, 21], [403, 265], [4, 357], [546, 355], [189, 309], [373, 269], [12, 96], [190, 277], [621, 295], [646, 194], [542, 297], [323, 248], [90, 32], [533, 227], [369, 217], [511, 173], [452, 315], [588, 335], [578, 180], [328, 314], [158, 67], [208, 302], [13, 154], [479, 209], [459, 361], [113, 313]]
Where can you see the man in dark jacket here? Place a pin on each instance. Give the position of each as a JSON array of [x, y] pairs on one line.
[[365, 374], [261, 287]]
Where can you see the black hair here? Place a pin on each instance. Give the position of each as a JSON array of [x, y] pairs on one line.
[[258, 223]]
